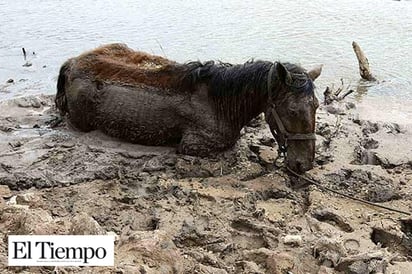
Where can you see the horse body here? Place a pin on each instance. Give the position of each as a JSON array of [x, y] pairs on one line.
[[151, 100], [134, 96]]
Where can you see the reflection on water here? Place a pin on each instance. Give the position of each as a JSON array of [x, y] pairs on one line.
[[362, 88], [301, 31]]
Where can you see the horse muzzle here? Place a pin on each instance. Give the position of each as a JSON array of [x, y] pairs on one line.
[[300, 155]]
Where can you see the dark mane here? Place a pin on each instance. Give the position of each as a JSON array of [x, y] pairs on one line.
[[225, 79]]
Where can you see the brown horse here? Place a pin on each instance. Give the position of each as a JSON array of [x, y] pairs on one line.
[[151, 100]]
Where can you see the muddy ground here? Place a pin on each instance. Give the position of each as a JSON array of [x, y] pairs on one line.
[[236, 212]]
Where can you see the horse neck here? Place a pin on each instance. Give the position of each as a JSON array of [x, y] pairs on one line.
[[240, 109]]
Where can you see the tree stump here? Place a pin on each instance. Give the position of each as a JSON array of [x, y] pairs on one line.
[[364, 69]]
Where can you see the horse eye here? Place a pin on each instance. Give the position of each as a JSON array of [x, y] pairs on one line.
[[293, 112]]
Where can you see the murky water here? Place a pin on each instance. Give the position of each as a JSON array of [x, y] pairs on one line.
[[305, 32]]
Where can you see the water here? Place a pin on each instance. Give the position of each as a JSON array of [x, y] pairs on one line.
[[304, 32]]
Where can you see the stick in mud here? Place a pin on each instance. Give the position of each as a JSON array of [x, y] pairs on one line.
[[24, 53], [364, 69]]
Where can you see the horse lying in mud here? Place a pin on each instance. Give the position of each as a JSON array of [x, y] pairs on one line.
[[202, 107]]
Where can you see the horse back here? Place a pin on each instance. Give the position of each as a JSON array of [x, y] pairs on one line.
[[117, 63]]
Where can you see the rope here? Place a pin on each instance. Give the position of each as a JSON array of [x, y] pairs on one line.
[[313, 182]]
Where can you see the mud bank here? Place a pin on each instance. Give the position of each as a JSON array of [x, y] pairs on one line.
[[236, 212]]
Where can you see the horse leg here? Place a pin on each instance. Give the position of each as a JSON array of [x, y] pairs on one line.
[[203, 143], [194, 143]]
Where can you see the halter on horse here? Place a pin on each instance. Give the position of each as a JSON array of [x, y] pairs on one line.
[[283, 135]]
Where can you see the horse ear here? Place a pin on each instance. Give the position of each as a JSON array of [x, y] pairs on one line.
[[315, 72], [283, 73]]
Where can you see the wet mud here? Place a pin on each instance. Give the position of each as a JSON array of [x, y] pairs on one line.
[[234, 212]]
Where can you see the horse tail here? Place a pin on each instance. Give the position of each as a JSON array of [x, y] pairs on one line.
[[61, 99]]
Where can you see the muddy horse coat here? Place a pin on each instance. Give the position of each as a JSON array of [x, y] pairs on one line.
[[202, 107]]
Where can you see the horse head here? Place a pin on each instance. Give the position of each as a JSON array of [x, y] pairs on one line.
[[291, 113]]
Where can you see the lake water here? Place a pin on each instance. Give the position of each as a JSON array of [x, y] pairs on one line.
[[304, 32]]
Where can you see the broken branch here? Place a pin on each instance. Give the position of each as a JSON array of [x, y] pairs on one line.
[[364, 69]]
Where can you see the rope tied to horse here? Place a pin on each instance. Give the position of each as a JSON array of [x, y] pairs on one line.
[[313, 182]]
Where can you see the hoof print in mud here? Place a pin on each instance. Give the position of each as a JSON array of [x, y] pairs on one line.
[[332, 218]]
